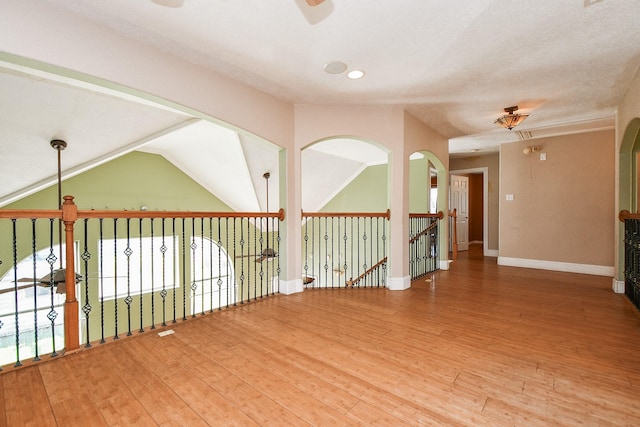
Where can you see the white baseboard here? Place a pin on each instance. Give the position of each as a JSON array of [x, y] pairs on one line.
[[618, 286], [492, 252], [444, 265], [398, 283], [289, 287], [596, 270]]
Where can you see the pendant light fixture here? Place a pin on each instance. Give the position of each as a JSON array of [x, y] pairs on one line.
[[511, 120]]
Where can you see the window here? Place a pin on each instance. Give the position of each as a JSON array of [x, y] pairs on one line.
[[37, 305], [136, 266], [213, 285]]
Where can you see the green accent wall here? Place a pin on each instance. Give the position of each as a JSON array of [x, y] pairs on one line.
[[368, 191], [129, 182]]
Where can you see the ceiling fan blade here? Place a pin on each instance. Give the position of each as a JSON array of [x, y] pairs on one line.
[[315, 11]]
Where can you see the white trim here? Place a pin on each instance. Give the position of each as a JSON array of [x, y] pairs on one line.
[[398, 283], [597, 270], [618, 286], [289, 287], [485, 202], [444, 265], [493, 253]]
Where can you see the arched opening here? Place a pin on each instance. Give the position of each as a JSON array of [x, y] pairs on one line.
[[345, 224], [344, 174], [629, 158], [428, 187]]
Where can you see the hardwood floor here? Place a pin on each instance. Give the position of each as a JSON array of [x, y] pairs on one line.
[[475, 345]]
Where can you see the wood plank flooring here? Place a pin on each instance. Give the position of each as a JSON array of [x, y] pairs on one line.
[[475, 345]]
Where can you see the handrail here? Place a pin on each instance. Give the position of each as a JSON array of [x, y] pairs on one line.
[[625, 214], [176, 214], [438, 215], [93, 213], [386, 214], [351, 282], [423, 232], [30, 213]]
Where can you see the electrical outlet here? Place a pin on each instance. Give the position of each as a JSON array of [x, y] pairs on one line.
[[543, 156], [509, 197]]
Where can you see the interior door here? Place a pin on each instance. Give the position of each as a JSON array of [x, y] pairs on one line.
[[459, 200]]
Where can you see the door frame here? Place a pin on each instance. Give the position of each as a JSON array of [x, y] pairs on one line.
[[485, 202]]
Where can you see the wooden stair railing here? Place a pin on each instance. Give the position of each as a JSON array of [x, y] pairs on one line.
[[454, 237], [431, 226], [351, 282]]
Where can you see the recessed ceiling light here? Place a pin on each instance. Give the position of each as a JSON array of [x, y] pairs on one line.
[[355, 74], [335, 67]]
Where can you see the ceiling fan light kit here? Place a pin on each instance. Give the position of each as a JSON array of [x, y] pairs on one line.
[[511, 120]]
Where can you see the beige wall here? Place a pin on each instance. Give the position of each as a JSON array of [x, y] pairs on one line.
[[561, 209], [492, 163], [400, 134]]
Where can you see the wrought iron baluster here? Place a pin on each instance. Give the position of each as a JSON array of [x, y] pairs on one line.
[[163, 292], [219, 283], [115, 278], [86, 307], [141, 273], [152, 295], [184, 270], [202, 264], [128, 299], [35, 290], [242, 241], [194, 285], [326, 252], [230, 280], [345, 238], [174, 278], [235, 256], [384, 251], [15, 290], [101, 251]]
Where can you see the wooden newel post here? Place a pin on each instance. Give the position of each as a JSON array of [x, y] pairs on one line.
[[454, 245], [71, 320]]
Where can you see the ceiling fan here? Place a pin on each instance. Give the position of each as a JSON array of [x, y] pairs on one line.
[[56, 277], [315, 11]]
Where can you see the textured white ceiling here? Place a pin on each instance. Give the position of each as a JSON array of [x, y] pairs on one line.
[[455, 65]]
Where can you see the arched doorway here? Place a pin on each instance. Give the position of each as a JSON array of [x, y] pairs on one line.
[[629, 165]]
